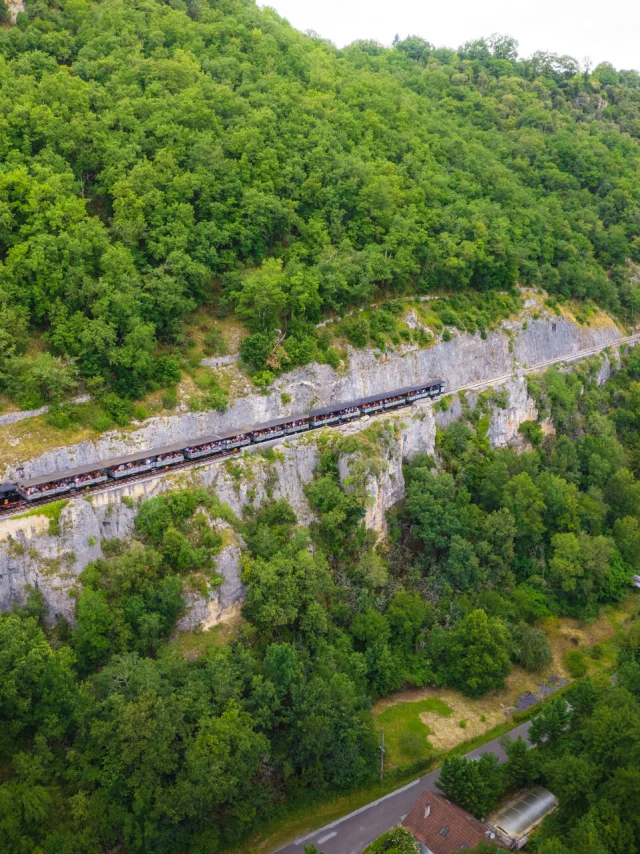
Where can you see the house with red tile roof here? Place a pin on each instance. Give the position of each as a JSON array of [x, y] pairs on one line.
[[442, 827]]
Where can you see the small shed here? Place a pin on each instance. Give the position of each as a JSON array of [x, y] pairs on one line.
[[514, 822]]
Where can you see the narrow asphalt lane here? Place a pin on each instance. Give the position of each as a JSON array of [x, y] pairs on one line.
[[352, 834]]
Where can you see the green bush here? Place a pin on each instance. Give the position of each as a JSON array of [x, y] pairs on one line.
[[170, 398], [532, 649], [331, 357], [382, 321], [166, 370], [119, 409], [576, 663], [357, 331], [449, 317], [60, 417], [396, 841], [532, 431], [256, 349], [214, 343], [263, 379]]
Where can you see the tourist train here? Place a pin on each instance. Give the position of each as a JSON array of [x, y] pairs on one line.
[[82, 478]]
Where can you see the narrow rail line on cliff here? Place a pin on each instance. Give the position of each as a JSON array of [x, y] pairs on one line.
[[576, 357], [194, 464]]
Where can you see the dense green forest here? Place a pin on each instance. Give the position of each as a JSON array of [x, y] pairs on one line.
[[158, 159], [111, 737], [160, 156]]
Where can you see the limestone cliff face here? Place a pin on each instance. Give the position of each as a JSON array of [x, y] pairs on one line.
[[463, 360], [31, 555]]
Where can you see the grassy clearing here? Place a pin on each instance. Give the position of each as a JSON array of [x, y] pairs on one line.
[[406, 734], [197, 643], [49, 511], [32, 437], [406, 730]]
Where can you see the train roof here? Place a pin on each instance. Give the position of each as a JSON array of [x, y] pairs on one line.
[[140, 456], [55, 476], [239, 431], [283, 419], [216, 437], [326, 410]]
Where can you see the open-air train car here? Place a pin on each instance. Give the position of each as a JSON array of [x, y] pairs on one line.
[[84, 477], [280, 427], [341, 412], [46, 485], [218, 443]]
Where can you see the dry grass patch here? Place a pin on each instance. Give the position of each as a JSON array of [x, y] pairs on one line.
[[33, 436], [566, 634], [484, 713], [480, 715], [587, 314]]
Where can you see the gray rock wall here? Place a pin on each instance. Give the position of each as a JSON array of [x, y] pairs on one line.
[[463, 360], [31, 555]]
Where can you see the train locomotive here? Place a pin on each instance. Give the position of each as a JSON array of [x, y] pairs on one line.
[[88, 477]]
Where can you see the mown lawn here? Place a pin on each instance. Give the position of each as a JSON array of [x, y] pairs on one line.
[[406, 736]]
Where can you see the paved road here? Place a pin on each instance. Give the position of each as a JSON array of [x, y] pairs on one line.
[[351, 834]]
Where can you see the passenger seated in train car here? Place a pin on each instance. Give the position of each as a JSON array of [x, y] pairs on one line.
[[89, 477], [174, 456], [351, 410], [241, 437], [43, 488], [133, 465], [208, 446], [269, 431]]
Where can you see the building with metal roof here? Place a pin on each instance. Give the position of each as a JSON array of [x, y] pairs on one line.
[[514, 821]]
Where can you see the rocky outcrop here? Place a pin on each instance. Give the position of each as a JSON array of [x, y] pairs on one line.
[[30, 554], [15, 6], [463, 360]]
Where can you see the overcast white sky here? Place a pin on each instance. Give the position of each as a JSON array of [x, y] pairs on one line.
[[581, 28]]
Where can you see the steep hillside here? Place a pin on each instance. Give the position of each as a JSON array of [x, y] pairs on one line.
[[156, 157]]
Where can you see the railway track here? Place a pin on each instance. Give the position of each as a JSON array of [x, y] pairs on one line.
[[23, 509]]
